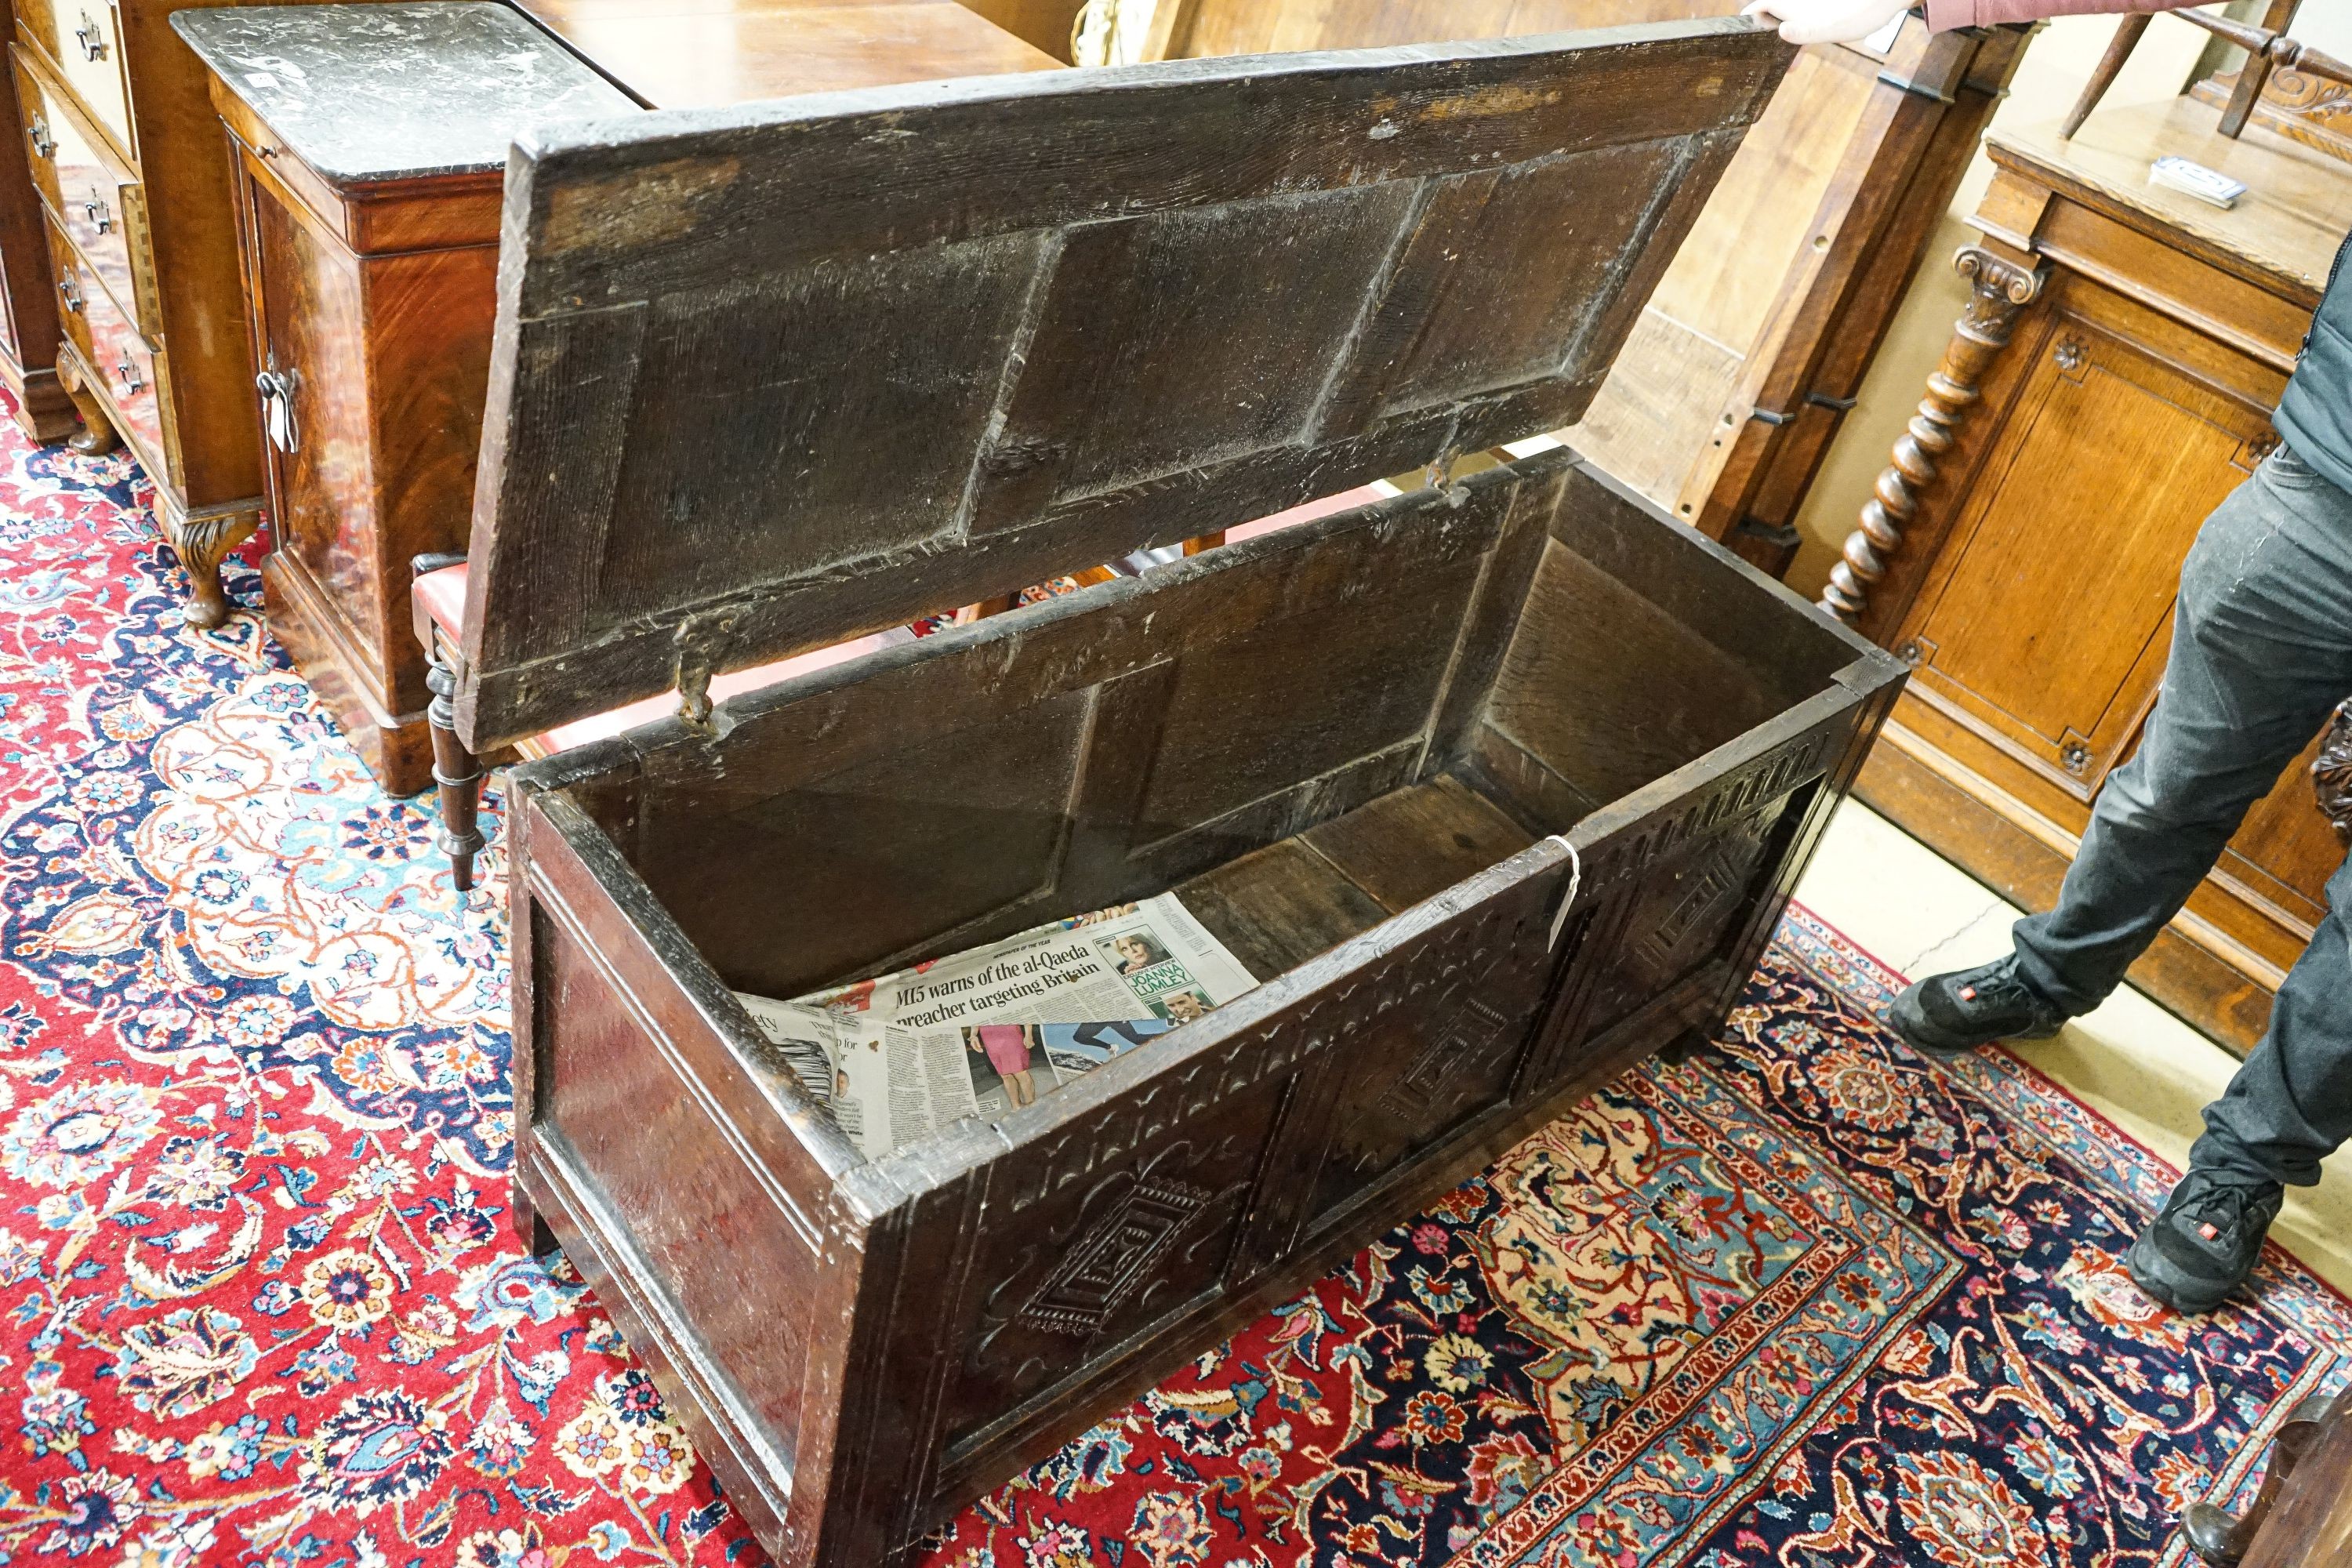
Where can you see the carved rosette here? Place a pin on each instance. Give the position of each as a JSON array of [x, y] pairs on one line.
[[2001, 292], [2331, 772]]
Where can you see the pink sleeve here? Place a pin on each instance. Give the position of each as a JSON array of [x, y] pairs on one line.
[[1944, 14]]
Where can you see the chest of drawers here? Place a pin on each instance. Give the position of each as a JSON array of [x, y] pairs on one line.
[[130, 174], [28, 301]]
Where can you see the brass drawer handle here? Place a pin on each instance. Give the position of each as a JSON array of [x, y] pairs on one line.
[[44, 145], [99, 213], [131, 384], [71, 294], [277, 391], [93, 41]]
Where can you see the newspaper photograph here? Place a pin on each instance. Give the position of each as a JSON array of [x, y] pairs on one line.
[[985, 1033]]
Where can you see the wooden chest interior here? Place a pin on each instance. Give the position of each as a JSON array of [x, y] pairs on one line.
[[1305, 735]]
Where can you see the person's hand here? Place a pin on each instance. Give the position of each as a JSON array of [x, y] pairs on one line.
[[1827, 21]]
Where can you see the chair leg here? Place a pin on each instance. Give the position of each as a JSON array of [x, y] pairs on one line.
[[458, 772], [2119, 51]]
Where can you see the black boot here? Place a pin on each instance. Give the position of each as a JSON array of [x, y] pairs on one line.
[[1945, 1016], [2205, 1242]]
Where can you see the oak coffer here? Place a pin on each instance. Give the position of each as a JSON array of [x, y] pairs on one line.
[[767, 378]]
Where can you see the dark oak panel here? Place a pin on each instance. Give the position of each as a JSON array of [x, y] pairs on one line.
[[1101, 358]]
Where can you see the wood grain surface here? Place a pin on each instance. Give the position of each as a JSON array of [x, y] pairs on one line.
[[1022, 373]]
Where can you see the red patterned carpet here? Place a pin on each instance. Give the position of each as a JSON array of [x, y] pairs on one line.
[[1804, 1302]]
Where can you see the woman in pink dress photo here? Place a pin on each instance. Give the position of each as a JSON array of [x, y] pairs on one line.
[[1006, 1047]]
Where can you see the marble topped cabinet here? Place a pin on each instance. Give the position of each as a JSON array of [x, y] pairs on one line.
[[370, 148], [370, 151]]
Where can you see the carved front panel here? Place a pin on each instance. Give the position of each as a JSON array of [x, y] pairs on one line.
[[1688, 902], [1097, 1233], [1433, 1036]]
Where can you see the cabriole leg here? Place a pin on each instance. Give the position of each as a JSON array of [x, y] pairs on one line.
[[202, 542]]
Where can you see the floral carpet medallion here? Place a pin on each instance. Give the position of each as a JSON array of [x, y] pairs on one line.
[[1805, 1300]]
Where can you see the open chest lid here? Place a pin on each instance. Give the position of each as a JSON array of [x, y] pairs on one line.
[[769, 377]]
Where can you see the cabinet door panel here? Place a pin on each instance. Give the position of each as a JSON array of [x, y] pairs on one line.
[[2285, 852], [2044, 625], [312, 323]]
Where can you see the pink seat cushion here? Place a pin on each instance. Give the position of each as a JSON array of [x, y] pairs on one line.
[[601, 726], [443, 594], [1362, 495]]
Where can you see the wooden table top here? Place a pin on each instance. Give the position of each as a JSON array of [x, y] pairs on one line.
[[692, 54], [2289, 224]]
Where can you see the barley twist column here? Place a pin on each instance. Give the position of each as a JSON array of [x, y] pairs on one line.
[[2001, 290]]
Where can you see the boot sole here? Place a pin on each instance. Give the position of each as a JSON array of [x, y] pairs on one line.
[[2159, 1277], [1920, 1033]]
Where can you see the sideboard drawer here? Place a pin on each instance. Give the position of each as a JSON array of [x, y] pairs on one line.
[[124, 368], [96, 199], [84, 38], [128, 370], [76, 283]]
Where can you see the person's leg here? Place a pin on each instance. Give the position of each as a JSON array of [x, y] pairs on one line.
[[2262, 652], [2285, 1109], [2289, 1106]]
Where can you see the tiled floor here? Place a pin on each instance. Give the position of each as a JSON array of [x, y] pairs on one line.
[[2131, 1060]]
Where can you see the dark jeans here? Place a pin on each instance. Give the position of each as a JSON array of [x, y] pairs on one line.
[[2262, 651]]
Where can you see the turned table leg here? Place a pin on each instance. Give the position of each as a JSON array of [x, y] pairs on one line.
[[96, 435], [2223, 1539], [456, 770], [2002, 291]]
